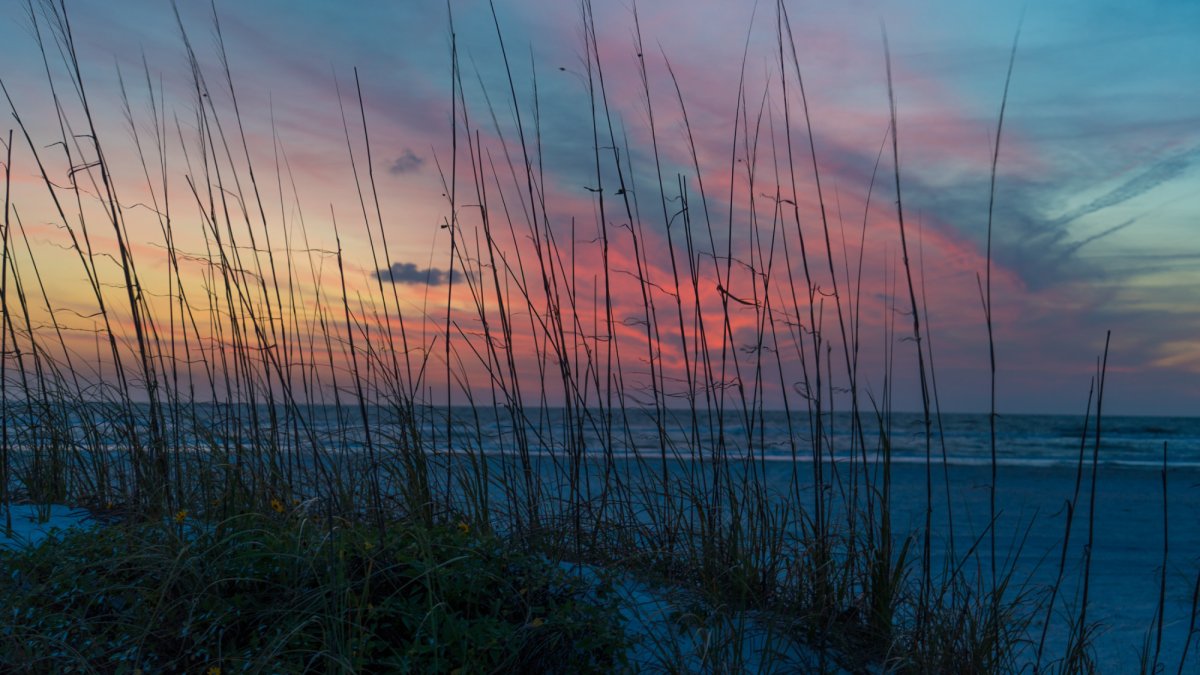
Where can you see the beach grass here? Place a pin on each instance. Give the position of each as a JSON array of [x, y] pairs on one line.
[[282, 489], [289, 593]]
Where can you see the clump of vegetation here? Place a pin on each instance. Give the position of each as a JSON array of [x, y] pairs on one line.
[[293, 594]]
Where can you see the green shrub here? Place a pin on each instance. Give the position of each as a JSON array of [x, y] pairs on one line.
[[280, 594]]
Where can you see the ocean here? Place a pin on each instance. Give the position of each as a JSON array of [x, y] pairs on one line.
[[962, 439], [956, 439]]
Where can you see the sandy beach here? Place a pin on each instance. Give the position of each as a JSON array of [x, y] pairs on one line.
[[1126, 556], [1127, 552], [1031, 502]]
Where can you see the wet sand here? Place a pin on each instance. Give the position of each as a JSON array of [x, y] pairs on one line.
[[1127, 552]]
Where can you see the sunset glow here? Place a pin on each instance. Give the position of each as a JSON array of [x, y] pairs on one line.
[[1096, 198]]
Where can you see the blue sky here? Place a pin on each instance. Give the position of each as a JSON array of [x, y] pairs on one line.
[[1098, 190]]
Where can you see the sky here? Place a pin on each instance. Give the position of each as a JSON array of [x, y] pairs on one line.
[[1097, 188]]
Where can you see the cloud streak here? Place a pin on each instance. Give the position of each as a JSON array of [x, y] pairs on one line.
[[410, 274], [1147, 180], [407, 162]]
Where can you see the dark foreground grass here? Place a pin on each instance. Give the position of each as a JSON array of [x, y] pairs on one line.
[[288, 593]]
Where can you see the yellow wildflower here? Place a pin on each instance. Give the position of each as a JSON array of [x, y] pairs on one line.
[[464, 528], [276, 505], [180, 515], [214, 670], [537, 623]]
